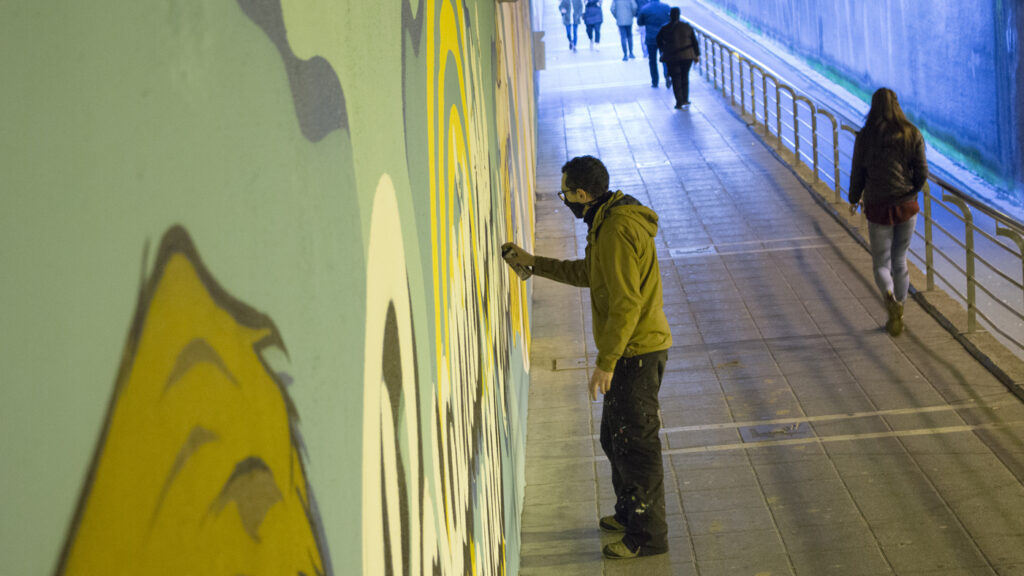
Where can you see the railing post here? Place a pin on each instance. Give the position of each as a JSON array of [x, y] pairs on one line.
[[796, 129], [1017, 239], [814, 134], [732, 80], [929, 247], [972, 312], [753, 91], [835, 157], [778, 110], [743, 95], [764, 93]]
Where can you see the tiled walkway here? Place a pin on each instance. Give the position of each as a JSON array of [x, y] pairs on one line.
[[799, 438]]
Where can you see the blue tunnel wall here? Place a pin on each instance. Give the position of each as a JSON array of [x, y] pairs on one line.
[[955, 65]]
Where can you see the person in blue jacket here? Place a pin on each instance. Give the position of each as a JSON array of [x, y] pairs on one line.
[[593, 18], [652, 17]]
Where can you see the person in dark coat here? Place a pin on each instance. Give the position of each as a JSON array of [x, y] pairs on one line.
[[679, 50], [889, 168], [652, 17], [593, 18]]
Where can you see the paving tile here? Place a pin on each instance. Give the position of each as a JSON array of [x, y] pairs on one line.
[[842, 562], [743, 545], [810, 539], [717, 478], [729, 520], [776, 565], [720, 499]]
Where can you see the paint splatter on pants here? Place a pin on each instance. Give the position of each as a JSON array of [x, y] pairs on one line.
[[629, 437]]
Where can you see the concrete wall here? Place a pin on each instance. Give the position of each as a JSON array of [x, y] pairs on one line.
[[955, 65], [255, 320]]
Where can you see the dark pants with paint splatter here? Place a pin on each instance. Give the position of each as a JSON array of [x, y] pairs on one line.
[[629, 437]]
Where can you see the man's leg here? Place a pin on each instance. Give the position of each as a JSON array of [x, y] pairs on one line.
[[609, 424], [634, 427], [629, 36], [642, 33], [652, 59], [683, 83], [675, 70], [623, 32]]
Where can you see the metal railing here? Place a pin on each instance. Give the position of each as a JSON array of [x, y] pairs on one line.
[[952, 258]]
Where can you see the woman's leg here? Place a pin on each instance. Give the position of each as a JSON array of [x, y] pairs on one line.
[[902, 235], [880, 238]]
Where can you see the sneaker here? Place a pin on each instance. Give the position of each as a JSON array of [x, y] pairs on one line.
[[631, 55], [678, 106], [619, 551], [654, 84], [624, 58], [610, 524], [895, 323]]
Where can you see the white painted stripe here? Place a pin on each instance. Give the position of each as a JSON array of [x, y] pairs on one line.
[[756, 251], [830, 417], [833, 417], [838, 438]]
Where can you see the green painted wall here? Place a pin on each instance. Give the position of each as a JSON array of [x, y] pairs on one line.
[[255, 318]]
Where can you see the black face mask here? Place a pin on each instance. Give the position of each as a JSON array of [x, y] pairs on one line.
[[576, 208]]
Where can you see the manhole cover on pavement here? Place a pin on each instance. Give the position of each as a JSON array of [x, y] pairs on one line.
[[775, 432]]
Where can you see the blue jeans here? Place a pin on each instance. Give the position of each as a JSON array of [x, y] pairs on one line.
[[570, 33], [889, 246], [626, 35], [652, 59]]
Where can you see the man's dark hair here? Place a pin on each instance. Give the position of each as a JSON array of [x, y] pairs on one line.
[[588, 173], [673, 14]]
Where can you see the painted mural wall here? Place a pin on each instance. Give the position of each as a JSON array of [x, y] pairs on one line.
[[955, 65], [255, 319]]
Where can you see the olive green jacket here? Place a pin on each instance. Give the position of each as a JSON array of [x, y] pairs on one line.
[[621, 269]]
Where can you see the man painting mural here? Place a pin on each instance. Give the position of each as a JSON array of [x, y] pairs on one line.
[[632, 335]]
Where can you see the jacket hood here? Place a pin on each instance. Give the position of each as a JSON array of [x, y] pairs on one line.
[[625, 206]]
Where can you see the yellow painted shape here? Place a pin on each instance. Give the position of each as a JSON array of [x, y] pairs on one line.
[[197, 472]]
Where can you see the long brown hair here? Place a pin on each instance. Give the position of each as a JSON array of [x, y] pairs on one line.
[[886, 121]]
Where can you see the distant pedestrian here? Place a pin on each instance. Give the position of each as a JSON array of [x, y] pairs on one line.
[[652, 17], [624, 12], [593, 18], [572, 13], [679, 50], [639, 27], [889, 168], [633, 337]]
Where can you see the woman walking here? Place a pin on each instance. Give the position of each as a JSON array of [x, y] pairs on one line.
[[889, 168], [593, 18]]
